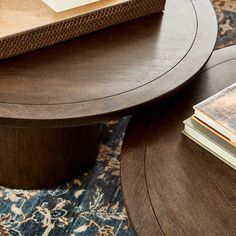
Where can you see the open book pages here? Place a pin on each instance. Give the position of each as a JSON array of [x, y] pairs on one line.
[[63, 5]]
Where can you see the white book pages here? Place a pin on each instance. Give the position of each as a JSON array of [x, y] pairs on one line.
[[63, 5]]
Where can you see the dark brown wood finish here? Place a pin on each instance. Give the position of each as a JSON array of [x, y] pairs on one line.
[[91, 79], [39, 158], [108, 73], [186, 190]]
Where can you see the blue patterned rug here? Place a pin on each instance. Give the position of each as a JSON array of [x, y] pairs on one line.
[[93, 203], [89, 205]]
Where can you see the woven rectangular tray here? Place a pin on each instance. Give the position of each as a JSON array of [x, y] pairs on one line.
[[30, 24]]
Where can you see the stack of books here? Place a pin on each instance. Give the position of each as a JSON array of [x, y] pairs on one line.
[[213, 125]]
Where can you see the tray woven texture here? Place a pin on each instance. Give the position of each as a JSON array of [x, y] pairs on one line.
[[73, 27]]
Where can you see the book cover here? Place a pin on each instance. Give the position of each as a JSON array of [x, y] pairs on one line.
[[219, 112]]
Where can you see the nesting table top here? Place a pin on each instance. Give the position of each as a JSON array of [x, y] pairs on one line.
[[109, 73], [176, 187]]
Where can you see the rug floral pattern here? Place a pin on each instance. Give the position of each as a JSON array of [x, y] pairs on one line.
[[226, 14], [91, 204]]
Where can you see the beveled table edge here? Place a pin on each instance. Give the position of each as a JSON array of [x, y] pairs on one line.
[[69, 115], [218, 57]]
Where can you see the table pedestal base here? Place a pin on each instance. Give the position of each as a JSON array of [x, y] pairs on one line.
[[36, 158]]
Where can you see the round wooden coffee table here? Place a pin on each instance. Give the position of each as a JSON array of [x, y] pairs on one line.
[[171, 185], [52, 100]]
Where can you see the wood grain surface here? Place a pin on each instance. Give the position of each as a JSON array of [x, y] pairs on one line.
[[39, 158], [186, 190], [109, 73]]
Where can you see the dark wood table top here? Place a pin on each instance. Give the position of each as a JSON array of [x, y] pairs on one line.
[[171, 185], [108, 73]]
